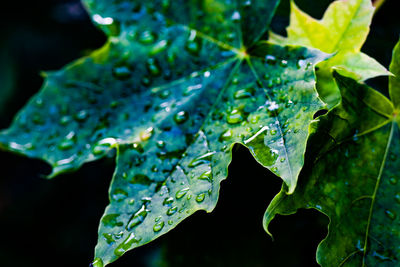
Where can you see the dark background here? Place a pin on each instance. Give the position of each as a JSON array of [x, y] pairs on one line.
[[54, 223]]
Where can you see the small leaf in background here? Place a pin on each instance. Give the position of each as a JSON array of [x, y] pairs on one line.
[[394, 81], [342, 31], [174, 88], [355, 179]]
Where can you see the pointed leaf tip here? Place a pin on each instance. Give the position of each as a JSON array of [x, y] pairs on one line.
[[365, 156], [172, 93], [334, 33]]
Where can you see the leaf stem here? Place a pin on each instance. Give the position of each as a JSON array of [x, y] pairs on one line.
[[378, 183], [377, 4]]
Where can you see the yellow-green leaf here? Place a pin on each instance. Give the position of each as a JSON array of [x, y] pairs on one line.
[[394, 81], [342, 31]]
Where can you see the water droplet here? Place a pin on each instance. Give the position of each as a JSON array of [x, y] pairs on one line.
[[393, 180], [230, 36], [121, 72], [225, 136], [181, 117], [160, 144], [301, 63], [158, 226], [65, 120], [164, 94], [272, 105], [283, 63], [273, 132], [194, 88], [397, 198], [81, 116], [39, 102], [282, 159], [159, 47], [244, 93], [29, 146], [277, 81], [138, 147], [203, 159], [153, 67], [172, 211], [109, 238], [235, 16], [119, 195], [254, 119], [157, 219], [97, 263], [266, 76], [119, 235], [110, 220], [104, 146], [206, 176], [147, 37], [234, 117], [146, 81], [146, 134], [181, 193], [192, 47], [170, 222], [271, 60], [102, 20], [200, 197], [137, 219], [168, 200], [66, 144], [270, 84], [235, 79], [126, 245], [390, 214]]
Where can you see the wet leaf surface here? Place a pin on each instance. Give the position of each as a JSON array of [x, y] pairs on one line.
[[342, 31], [177, 84], [354, 178]]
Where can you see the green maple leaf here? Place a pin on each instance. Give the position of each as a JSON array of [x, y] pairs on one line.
[[342, 30], [355, 178], [176, 86]]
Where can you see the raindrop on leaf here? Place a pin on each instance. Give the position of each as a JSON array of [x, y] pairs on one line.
[[158, 226]]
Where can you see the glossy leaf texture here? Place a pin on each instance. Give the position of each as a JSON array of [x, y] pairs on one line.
[[394, 81], [354, 180], [177, 84], [342, 31]]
